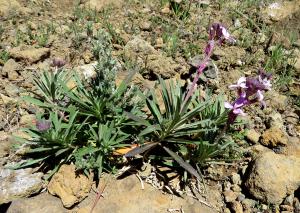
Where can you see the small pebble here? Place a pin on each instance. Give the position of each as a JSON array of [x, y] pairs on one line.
[[241, 197]]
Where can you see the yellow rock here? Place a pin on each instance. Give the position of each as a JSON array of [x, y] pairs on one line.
[[70, 186]]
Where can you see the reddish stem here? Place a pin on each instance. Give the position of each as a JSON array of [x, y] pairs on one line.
[[208, 52]]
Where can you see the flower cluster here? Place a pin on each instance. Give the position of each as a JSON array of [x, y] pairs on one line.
[[250, 91], [217, 32]]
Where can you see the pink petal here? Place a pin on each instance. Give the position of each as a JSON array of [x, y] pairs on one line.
[[243, 95], [233, 86], [225, 33], [243, 85], [259, 95], [228, 105], [239, 112], [241, 80]]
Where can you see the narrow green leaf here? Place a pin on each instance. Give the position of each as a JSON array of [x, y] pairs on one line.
[[123, 86], [150, 129], [155, 111], [61, 151], [41, 149], [182, 163], [37, 102], [137, 119], [27, 163]]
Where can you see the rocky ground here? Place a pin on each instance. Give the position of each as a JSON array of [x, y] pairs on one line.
[[166, 38]]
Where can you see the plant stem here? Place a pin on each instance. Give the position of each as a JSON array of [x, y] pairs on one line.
[[194, 84], [222, 133], [208, 52]]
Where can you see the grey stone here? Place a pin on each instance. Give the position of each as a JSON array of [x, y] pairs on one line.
[[17, 184], [12, 90], [236, 178], [241, 197], [280, 10], [99, 5], [43, 202], [296, 205], [275, 120], [248, 203], [237, 23], [289, 200], [145, 25]]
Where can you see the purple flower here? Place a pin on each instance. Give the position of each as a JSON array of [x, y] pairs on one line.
[[249, 90], [43, 125], [235, 109], [265, 82], [57, 62], [237, 105], [218, 32]]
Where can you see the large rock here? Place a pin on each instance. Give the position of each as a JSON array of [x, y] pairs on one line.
[[275, 120], [231, 55], [44, 203], [280, 10], [273, 137], [141, 52], [99, 5], [10, 68], [69, 186], [126, 195], [272, 177], [5, 99], [253, 136], [29, 54], [20, 183], [12, 90], [276, 100], [293, 147], [87, 71]]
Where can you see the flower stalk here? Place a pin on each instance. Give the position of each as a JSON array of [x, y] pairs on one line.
[[217, 33]]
